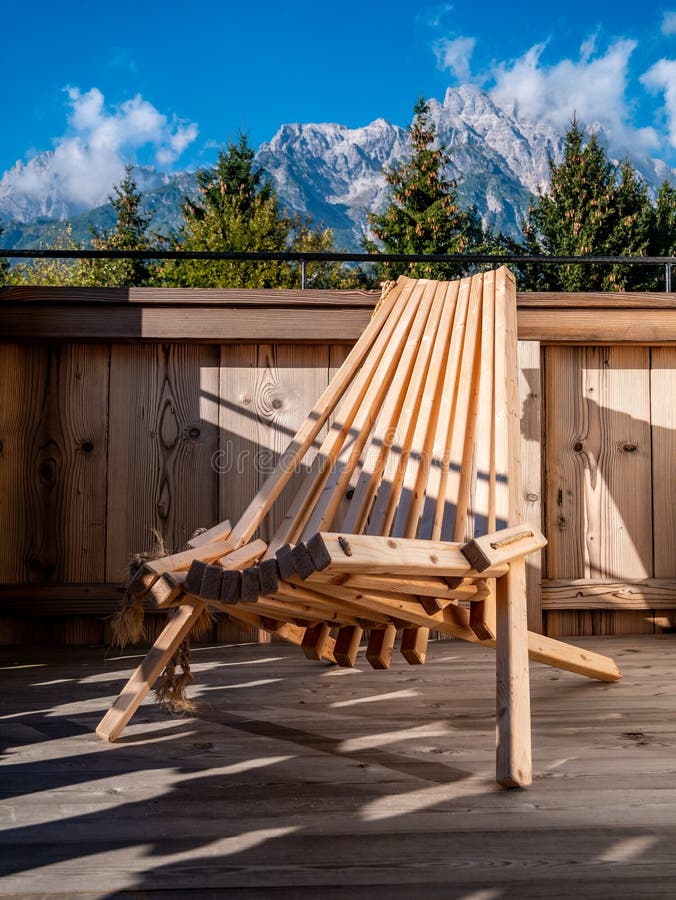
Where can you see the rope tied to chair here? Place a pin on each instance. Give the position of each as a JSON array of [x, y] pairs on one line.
[[512, 539], [170, 690], [128, 623]]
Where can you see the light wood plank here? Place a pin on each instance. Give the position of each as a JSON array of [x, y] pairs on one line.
[[530, 394], [514, 765], [595, 593], [54, 432], [145, 676]]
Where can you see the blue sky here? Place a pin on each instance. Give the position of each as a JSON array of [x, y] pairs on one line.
[[170, 83]]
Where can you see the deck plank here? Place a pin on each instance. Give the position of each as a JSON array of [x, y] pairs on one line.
[[298, 778]]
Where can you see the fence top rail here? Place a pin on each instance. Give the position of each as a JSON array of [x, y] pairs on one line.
[[283, 298], [336, 256]]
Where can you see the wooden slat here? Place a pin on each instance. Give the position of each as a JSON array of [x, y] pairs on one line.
[[413, 646], [145, 676], [208, 325], [593, 593], [586, 326], [54, 433], [389, 490], [348, 640], [514, 766], [372, 341], [380, 363], [530, 395], [380, 646], [416, 459], [420, 586], [388, 383], [173, 296], [371, 554], [663, 436]]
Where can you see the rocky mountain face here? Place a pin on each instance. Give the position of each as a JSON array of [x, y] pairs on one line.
[[335, 173]]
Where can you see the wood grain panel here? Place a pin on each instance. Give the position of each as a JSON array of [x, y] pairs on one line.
[[164, 436], [663, 424], [599, 471], [265, 394], [53, 462], [530, 395]]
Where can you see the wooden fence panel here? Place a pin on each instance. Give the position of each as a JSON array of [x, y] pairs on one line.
[[54, 409], [163, 436], [266, 392], [115, 422], [663, 420], [599, 477]]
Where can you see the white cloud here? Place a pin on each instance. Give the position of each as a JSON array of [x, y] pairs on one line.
[[455, 54], [90, 158], [669, 23], [662, 78], [593, 88]]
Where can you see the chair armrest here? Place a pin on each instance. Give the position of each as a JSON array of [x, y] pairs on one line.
[[502, 546]]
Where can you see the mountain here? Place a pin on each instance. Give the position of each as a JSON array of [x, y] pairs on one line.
[[334, 173]]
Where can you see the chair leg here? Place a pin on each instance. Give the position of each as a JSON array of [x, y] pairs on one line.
[[513, 768], [132, 694]]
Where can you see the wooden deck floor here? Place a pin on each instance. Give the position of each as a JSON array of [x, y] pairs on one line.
[[299, 779]]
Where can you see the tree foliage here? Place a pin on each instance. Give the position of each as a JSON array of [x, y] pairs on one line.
[[423, 215], [49, 272], [130, 232], [238, 210], [594, 207], [4, 265]]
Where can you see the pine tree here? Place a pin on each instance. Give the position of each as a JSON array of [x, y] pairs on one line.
[[4, 265], [423, 215], [130, 232], [237, 210], [592, 208]]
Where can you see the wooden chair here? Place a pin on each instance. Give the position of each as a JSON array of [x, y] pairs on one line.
[[407, 522]]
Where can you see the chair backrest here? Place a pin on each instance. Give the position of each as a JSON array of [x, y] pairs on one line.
[[422, 423]]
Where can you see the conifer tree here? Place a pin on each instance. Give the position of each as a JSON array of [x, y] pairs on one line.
[[592, 208], [237, 210], [4, 265], [128, 233], [423, 215]]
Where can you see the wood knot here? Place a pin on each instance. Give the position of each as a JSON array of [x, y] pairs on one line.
[[345, 546], [86, 446], [578, 446], [194, 432], [392, 544], [629, 447], [277, 403]]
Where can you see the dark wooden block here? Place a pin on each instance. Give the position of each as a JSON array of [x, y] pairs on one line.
[[452, 582], [211, 583], [285, 562], [302, 561], [318, 553], [269, 576], [193, 582], [251, 585], [230, 586]]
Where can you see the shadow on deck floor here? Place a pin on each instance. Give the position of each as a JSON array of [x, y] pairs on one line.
[[302, 779]]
